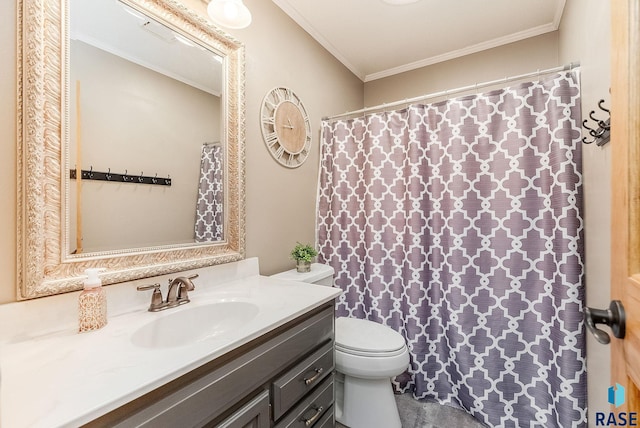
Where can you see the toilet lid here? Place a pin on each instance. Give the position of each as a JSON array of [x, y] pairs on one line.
[[362, 336]]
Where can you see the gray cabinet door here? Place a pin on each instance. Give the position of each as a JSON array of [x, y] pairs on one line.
[[254, 414]]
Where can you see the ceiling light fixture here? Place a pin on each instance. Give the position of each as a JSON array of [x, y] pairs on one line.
[[229, 13]]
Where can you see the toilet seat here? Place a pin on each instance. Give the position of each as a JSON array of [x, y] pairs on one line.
[[368, 350], [369, 354], [367, 338]]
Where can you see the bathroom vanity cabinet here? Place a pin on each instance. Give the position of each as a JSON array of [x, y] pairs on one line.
[[283, 379]]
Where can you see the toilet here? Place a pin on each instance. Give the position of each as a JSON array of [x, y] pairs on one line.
[[367, 356]]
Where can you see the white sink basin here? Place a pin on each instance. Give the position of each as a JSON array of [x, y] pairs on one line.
[[192, 324]]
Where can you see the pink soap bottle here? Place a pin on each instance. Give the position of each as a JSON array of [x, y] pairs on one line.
[[92, 303]]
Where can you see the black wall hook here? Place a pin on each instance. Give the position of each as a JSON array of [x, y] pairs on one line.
[[614, 317], [601, 135], [602, 107]]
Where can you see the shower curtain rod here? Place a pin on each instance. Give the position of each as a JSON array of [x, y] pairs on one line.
[[448, 92]]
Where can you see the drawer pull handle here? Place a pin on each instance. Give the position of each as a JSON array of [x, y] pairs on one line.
[[312, 419], [310, 380]]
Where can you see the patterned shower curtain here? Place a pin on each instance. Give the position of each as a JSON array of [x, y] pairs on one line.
[[459, 225], [209, 208]]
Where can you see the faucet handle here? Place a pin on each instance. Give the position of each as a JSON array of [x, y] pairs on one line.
[[148, 287], [192, 286], [186, 286], [156, 298]]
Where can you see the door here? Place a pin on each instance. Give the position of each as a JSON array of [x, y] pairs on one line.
[[625, 142]]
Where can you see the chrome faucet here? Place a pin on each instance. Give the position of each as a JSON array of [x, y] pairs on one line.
[[176, 294]]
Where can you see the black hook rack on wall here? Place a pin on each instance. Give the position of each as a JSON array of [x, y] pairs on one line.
[[121, 178], [602, 133]]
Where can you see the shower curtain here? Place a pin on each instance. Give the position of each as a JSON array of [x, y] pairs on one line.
[[209, 207], [459, 225]]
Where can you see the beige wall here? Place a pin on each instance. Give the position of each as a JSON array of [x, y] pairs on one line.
[[280, 201], [509, 60], [155, 128], [585, 36]]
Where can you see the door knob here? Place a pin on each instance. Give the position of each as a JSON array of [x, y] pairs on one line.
[[614, 317]]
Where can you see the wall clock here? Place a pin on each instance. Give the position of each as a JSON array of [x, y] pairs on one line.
[[285, 127]]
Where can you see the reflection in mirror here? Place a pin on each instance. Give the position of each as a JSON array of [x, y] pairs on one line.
[[145, 101], [115, 169]]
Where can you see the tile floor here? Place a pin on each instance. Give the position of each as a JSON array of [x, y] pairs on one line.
[[415, 414]]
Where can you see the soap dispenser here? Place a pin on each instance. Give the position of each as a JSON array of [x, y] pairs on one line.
[[92, 303]]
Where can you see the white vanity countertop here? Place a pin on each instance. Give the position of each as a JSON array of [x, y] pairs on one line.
[[67, 379]]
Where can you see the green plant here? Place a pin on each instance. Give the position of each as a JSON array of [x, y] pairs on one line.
[[303, 252]]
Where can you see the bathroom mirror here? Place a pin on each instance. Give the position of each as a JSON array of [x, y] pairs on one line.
[[145, 101], [89, 163]]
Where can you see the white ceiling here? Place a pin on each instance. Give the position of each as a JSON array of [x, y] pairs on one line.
[[374, 39], [120, 30]]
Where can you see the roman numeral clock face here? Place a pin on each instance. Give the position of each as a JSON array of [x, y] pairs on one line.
[[285, 127]]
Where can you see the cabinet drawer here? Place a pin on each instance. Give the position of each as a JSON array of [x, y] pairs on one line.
[[327, 420], [302, 378], [311, 410]]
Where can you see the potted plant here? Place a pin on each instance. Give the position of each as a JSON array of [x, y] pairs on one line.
[[303, 254]]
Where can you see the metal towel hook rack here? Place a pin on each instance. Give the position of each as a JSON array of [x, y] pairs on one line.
[[121, 178], [601, 133]]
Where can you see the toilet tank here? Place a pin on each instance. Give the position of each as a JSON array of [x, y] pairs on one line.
[[320, 274]]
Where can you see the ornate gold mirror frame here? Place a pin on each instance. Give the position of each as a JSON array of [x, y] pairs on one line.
[[44, 267]]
